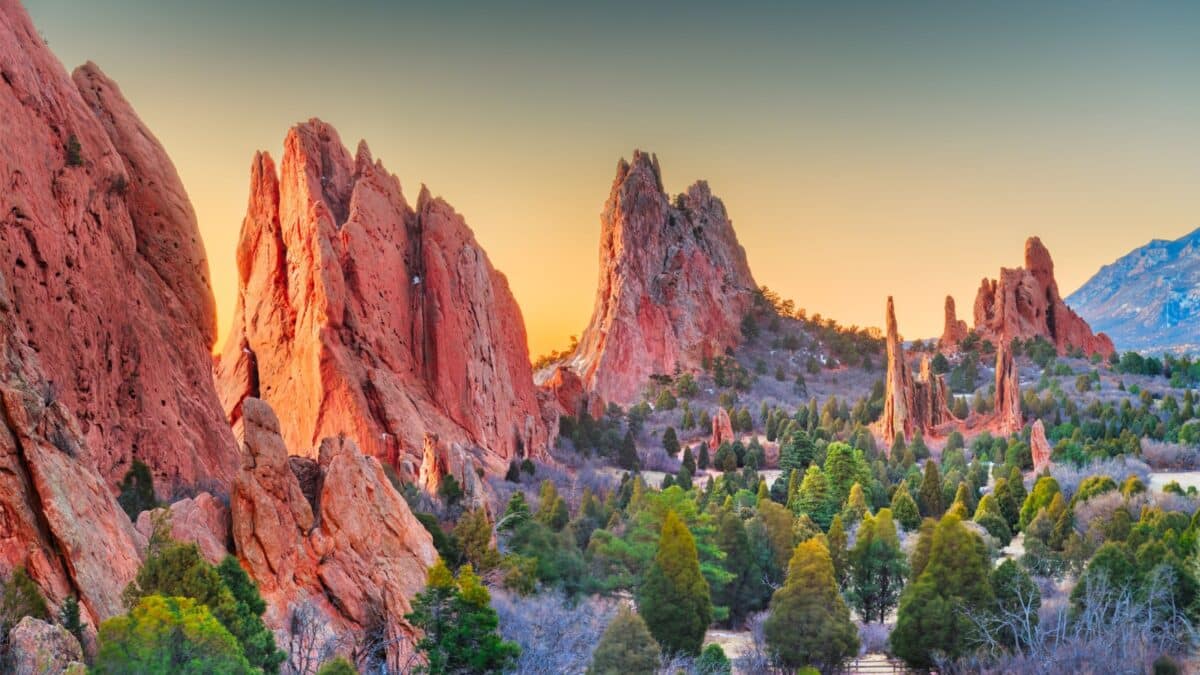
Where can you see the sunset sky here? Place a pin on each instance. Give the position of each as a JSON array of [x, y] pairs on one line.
[[862, 149]]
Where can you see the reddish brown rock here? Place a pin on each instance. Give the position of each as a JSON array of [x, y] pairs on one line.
[[568, 392], [722, 429], [1008, 392], [910, 406], [1025, 303], [36, 647], [1039, 447], [358, 556], [674, 284], [439, 461], [954, 330], [202, 520], [360, 315], [107, 273]]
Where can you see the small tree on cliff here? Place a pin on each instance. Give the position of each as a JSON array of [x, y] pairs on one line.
[[674, 598], [137, 490], [459, 625]]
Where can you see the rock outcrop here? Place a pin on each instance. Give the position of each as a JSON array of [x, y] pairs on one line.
[[36, 647], [954, 330], [1008, 392], [911, 405], [360, 315], [722, 428], [1025, 303], [354, 552], [1039, 447], [202, 520], [105, 269], [440, 461], [674, 284]]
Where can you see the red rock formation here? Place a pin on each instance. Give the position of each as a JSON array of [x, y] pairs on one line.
[[955, 329], [674, 284], [355, 552], [35, 647], [1025, 303], [105, 267], [910, 406], [1008, 392], [439, 461], [1039, 447], [358, 314], [722, 429], [202, 520]]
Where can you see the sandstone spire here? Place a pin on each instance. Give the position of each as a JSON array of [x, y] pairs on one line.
[[1008, 391], [1039, 447], [674, 284], [359, 314], [910, 406], [954, 330], [1025, 303]]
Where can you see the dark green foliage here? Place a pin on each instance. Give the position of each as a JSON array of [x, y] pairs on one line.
[[20, 597], [877, 568], [168, 635], [1015, 595], [674, 597], [712, 661], [137, 490], [447, 545], [931, 492], [450, 491], [809, 624], [74, 151], [256, 639], [628, 457], [626, 648], [904, 509], [459, 625], [670, 441], [68, 616]]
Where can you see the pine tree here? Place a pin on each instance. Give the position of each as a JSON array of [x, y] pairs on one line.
[[702, 458], [552, 509], [838, 554], [459, 625], [670, 441], [856, 506], [515, 513], [627, 455], [905, 510], [812, 498], [809, 624], [625, 648], [68, 616], [931, 491], [674, 597], [137, 490], [877, 568], [1042, 495], [688, 462]]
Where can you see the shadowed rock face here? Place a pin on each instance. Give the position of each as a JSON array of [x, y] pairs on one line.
[[911, 406], [360, 315], [674, 284], [1025, 303], [105, 268], [355, 552]]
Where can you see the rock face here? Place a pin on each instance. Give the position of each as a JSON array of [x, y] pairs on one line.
[[1025, 303], [360, 315], [911, 406], [722, 429], [105, 269], [674, 284], [202, 520], [1148, 299], [39, 648], [439, 461], [955, 328], [355, 552], [1039, 447], [1008, 391]]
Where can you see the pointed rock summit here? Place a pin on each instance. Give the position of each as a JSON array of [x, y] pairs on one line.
[[358, 314], [107, 274], [911, 405], [674, 284], [955, 329], [1025, 303], [1008, 391], [1039, 447]]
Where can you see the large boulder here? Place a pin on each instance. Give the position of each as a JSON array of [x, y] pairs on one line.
[[674, 284], [358, 314], [36, 647], [202, 520]]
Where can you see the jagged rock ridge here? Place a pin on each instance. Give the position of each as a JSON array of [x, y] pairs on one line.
[[674, 284], [360, 315]]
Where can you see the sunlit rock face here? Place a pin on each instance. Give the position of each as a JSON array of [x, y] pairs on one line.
[[674, 284], [358, 314]]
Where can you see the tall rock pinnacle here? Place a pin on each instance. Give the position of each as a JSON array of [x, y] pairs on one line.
[[910, 406], [674, 284], [359, 314]]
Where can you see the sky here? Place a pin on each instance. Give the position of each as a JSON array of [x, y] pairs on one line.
[[862, 149]]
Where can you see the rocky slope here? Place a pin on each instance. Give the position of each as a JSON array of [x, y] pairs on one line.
[[1024, 303], [358, 314], [674, 284], [1149, 299], [105, 268]]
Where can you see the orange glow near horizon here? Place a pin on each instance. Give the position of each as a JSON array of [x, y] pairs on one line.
[[905, 152]]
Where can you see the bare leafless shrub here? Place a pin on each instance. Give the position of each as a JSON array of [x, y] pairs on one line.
[[307, 640], [873, 637], [555, 635], [1170, 456], [1070, 476], [756, 659], [655, 458]]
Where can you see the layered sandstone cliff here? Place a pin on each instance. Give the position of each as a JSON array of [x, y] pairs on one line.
[[105, 270], [349, 547], [358, 314], [1025, 303], [674, 284], [911, 405]]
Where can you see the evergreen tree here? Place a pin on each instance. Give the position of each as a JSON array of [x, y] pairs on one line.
[[702, 458], [1042, 495], [474, 534], [688, 462], [257, 641], [69, 617], [813, 497], [627, 456], [933, 611], [838, 554], [1016, 595], [515, 513], [19, 598], [552, 508], [856, 506], [904, 509], [674, 597], [459, 625], [931, 491], [168, 635], [809, 624], [877, 568], [670, 441], [625, 648], [137, 490]]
